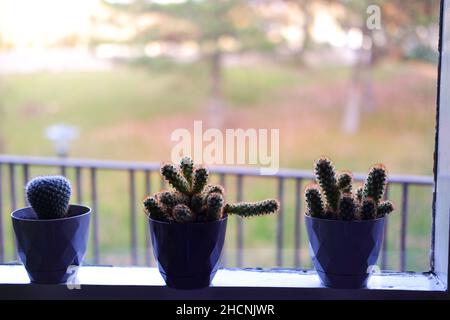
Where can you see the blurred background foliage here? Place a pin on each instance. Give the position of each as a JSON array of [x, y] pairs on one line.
[[126, 73]]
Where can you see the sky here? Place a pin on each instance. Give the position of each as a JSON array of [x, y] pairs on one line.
[[25, 22], [40, 23]]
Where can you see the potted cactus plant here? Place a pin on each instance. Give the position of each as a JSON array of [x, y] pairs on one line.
[[188, 224], [345, 226], [51, 234]]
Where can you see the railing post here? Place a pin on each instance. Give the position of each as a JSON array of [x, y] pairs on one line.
[[134, 257], [13, 199], [78, 179], [94, 215], [15, 170], [280, 226], [12, 185], [404, 226], [2, 239], [26, 177], [384, 248], [240, 236], [162, 183], [148, 190], [224, 251], [63, 170], [297, 230]]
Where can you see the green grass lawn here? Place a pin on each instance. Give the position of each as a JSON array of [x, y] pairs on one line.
[[128, 114]]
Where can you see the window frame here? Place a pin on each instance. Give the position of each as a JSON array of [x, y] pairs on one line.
[[441, 226], [437, 277]]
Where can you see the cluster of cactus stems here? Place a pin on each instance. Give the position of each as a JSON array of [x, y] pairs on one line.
[[49, 196], [194, 200], [332, 197]]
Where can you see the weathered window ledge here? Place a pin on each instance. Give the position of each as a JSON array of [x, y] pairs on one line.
[[146, 283]]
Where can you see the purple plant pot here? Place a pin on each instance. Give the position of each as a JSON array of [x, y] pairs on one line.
[[48, 248], [343, 251], [188, 253]]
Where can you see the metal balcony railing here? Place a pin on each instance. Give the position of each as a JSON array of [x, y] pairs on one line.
[[10, 165]]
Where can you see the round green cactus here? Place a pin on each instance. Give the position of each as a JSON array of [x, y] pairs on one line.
[[49, 196]]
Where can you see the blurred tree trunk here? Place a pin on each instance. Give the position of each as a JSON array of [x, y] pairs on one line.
[[305, 37], [361, 96], [216, 103], [352, 110], [368, 62], [2, 119]]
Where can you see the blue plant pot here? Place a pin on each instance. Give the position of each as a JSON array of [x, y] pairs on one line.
[[188, 253], [49, 248], [343, 251]]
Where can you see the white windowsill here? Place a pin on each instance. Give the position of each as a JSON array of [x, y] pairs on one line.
[[291, 282]]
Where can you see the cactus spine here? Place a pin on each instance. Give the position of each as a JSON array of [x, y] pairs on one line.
[[193, 200]]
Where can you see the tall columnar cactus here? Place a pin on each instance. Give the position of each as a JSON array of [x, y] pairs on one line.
[[187, 167], [314, 203], [359, 194], [384, 208], [341, 203], [200, 180], [214, 205], [49, 196], [182, 213], [347, 207], [368, 209], [170, 199], [211, 188], [153, 209], [375, 183], [249, 209], [345, 180], [171, 174], [193, 200], [197, 203], [326, 178]]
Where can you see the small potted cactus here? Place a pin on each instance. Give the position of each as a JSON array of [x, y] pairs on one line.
[[188, 224], [345, 226], [51, 234]]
